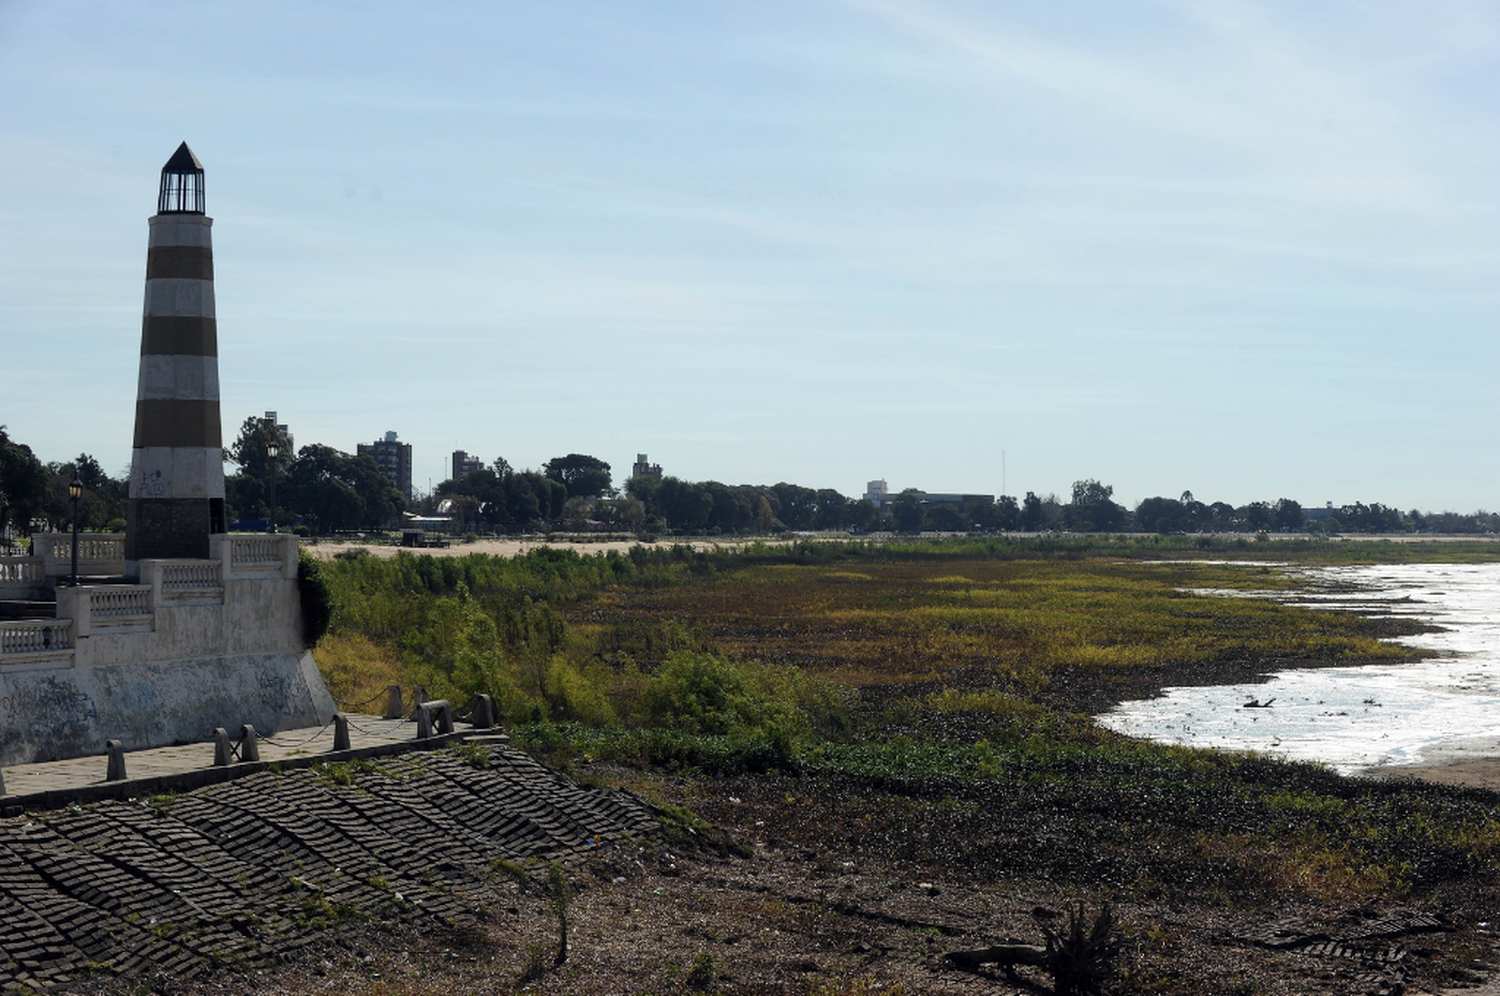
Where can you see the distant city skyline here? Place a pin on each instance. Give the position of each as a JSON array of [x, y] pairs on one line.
[[1244, 249]]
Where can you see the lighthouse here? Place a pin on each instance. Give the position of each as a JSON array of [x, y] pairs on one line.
[[176, 498], [211, 631]]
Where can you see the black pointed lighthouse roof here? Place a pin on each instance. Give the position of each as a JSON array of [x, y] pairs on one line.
[[181, 184]]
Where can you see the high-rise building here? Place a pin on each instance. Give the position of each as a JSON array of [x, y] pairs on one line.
[[644, 467], [176, 497], [281, 428], [465, 464], [393, 458]]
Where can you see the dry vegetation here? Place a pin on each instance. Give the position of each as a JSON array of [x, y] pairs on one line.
[[861, 724]]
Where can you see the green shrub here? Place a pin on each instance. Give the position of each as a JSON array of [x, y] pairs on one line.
[[696, 693], [579, 693], [316, 598]]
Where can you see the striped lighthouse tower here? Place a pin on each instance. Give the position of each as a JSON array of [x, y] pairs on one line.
[[177, 463]]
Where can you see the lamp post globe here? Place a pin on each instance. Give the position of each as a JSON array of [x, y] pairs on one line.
[[75, 492], [273, 450]]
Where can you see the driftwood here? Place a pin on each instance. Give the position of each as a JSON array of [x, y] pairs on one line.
[[1000, 954], [1079, 957]]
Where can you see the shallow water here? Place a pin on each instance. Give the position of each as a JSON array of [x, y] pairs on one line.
[[1354, 718]]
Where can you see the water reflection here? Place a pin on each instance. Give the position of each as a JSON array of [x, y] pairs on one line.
[[1353, 718]]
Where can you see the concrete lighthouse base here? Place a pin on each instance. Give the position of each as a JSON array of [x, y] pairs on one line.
[[197, 644]]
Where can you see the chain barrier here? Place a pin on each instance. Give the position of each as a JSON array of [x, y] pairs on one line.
[[373, 733], [274, 743], [360, 705]]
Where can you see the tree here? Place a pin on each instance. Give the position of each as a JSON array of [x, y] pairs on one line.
[[1220, 516], [102, 501], [23, 483], [1257, 516], [907, 509], [799, 505], [584, 476], [1007, 512], [947, 518], [834, 511], [764, 517], [1092, 509], [332, 490], [247, 491], [1288, 514], [684, 505], [734, 508], [1031, 512], [1161, 515]]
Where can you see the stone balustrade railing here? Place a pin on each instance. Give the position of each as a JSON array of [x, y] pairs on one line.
[[118, 601], [98, 553], [189, 575], [258, 556], [256, 549], [35, 636], [21, 570], [22, 577]]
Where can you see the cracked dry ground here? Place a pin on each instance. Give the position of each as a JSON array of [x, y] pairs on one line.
[[430, 873]]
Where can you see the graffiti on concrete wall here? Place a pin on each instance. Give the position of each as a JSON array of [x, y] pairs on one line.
[[60, 704]]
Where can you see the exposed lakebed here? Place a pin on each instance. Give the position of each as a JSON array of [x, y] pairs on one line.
[[1441, 708]]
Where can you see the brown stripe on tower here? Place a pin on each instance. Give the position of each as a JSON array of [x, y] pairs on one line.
[[190, 262], [177, 336], [168, 422], [177, 464]]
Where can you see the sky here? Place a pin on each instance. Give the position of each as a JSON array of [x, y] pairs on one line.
[[1250, 250]]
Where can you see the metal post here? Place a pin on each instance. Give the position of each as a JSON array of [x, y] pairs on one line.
[[75, 491], [273, 450]]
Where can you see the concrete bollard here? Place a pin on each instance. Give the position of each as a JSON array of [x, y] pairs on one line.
[[340, 731], [2, 782], [484, 712], [223, 752], [249, 745], [116, 751], [419, 694], [439, 710], [394, 707]]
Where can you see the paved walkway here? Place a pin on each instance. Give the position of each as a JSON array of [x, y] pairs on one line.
[[52, 783]]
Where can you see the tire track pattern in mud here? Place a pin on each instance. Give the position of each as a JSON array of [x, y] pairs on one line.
[[245, 873]]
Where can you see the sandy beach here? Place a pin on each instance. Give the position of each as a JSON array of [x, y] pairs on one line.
[[1477, 772]]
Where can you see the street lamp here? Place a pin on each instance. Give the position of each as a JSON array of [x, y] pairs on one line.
[[75, 492], [273, 451]]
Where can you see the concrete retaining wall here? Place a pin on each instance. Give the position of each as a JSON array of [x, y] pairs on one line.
[[71, 712]]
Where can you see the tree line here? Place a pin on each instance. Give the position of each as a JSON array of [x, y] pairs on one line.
[[326, 491]]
